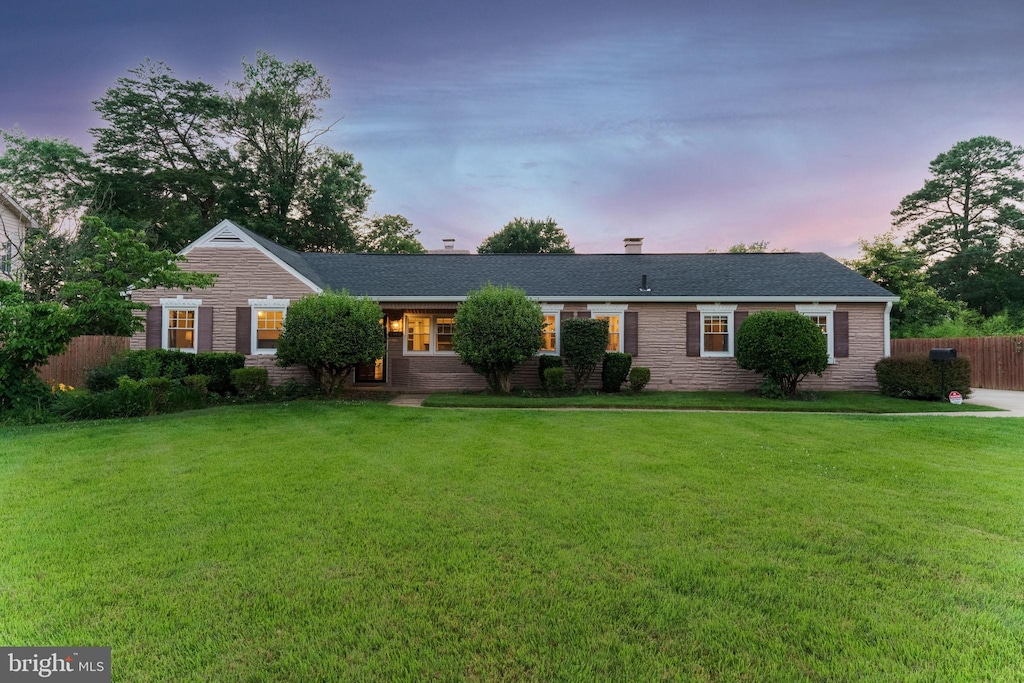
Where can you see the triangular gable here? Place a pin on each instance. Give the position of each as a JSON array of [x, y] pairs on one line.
[[18, 209], [227, 235]]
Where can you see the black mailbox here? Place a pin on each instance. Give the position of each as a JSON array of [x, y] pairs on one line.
[[942, 354]]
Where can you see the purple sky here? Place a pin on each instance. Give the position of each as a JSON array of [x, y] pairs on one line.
[[693, 125]]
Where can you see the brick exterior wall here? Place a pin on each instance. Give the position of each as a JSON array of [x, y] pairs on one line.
[[662, 348], [248, 274], [242, 274]]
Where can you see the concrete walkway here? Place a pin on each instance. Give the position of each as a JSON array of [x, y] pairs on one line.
[[1012, 402], [409, 400]]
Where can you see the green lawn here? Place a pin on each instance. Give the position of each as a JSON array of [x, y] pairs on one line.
[[318, 542], [821, 402]]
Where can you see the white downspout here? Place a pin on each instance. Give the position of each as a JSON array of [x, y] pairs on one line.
[[888, 341]]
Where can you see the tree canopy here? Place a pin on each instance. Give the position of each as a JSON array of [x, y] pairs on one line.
[[173, 157], [967, 221], [528, 236]]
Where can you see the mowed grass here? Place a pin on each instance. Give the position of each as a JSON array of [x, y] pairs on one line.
[[819, 402], [326, 542]]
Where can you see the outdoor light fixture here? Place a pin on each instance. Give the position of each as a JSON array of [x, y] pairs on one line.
[[395, 327]]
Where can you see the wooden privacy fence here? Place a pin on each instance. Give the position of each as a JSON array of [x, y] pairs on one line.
[[996, 362], [81, 356]]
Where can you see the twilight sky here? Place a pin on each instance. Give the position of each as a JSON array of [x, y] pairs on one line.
[[695, 125]]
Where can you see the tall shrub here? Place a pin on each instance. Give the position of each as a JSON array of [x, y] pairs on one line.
[[784, 346], [30, 333], [497, 329], [331, 333], [614, 371], [916, 376], [584, 341]]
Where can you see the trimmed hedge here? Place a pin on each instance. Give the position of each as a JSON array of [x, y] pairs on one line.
[[176, 365], [584, 341], [554, 380], [916, 376], [614, 371]]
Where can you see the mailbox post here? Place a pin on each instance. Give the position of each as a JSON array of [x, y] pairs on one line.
[[942, 357]]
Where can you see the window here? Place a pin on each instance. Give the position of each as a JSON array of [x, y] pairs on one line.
[[444, 333], [613, 314], [267, 322], [716, 336], [552, 327], [181, 320], [429, 334], [822, 317], [6, 257]]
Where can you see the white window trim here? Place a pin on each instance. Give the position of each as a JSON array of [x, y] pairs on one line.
[[611, 311], [826, 310], [268, 304], [556, 311], [433, 334], [179, 303], [728, 310]]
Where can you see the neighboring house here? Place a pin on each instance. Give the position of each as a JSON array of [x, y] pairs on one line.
[[14, 224], [675, 313]]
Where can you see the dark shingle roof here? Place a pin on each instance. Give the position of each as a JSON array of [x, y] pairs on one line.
[[568, 276], [584, 276]]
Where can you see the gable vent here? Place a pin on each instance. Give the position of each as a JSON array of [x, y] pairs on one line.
[[226, 236]]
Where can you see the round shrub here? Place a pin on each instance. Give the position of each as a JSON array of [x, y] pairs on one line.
[[545, 362], [614, 371], [554, 380], [497, 329], [250, 382], [331, 333], [638, 379], [784, 346]]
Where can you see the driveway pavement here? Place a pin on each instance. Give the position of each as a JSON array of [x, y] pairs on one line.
[[1012, 401]]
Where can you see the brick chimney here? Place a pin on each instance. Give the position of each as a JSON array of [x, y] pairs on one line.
[[634, 245]]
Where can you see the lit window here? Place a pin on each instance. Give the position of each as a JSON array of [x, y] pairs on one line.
[[552, 327], [548, 335], [181, 330], [822, 317], [267, 323], [180, 323], [268, 328], [417, 333], [444, 333], [717, 331], [613, 314]]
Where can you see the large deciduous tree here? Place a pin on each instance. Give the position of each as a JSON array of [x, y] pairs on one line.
[[162, 151], [901, 269], [967, 221], [51, 178], [390, 234], [528, 236]]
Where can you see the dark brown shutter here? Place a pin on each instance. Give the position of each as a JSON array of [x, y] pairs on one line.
[[243, 330], [841, 325], [693, 333], [154, 327], [631, 344], [738, 317], [205, 329], [565, 315], [583, 314]]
